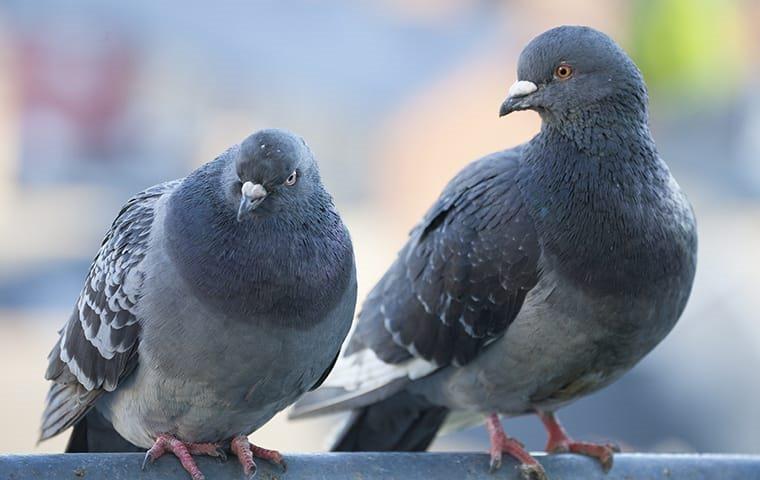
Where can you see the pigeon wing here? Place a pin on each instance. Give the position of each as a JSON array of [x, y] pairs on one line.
[[98, 345], [463, 275]]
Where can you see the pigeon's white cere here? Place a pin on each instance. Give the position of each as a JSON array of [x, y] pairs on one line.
[[247, 189], [251, 190], [522, 88]]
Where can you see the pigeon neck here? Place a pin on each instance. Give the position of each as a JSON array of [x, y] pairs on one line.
[[607, 217], [263, 267], [604, 129]]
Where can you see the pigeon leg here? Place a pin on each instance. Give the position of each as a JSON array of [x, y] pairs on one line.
[[184, 452], [501, 443], [246, 451], [560, 442]]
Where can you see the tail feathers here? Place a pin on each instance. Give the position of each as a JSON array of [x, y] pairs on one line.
[[65, 405], [401, 422], [328, 399], [70, 404], [96, 434]]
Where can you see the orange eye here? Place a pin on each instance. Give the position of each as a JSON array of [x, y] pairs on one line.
[[563, 71]]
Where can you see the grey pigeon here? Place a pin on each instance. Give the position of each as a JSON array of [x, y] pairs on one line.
[[215, 301], [542, 273]]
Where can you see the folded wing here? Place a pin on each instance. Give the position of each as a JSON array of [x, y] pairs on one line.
[[456, 285], [98, 345]]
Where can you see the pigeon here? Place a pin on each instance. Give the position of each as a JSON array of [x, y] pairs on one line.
[[214, 302], [541, 274]]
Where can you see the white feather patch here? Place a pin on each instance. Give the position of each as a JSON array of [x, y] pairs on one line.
[[363, 371]]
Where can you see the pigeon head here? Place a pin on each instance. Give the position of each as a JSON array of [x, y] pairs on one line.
[[568, 73], [275, 170]]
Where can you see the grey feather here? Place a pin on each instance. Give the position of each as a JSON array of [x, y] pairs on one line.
[[98, 344], [201, 323], [580, 241], [463, 274]]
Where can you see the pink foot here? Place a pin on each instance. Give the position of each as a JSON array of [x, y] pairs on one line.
[[560, 442], [246, 451], [500, 444], [184, 452]]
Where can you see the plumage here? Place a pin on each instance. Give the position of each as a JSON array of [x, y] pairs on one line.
[[201, 323], [452, 257], [97, 345], [542, 273]]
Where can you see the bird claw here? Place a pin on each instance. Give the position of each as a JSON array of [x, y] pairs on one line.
[[147, 460], [606, 458], [495, 463], [249, 471], [604, 454], [246, 451], [183, 451], [606, 464], [529, 467], [532, 472], [560, 442], [282, 465], [528, 471], [221, 455]]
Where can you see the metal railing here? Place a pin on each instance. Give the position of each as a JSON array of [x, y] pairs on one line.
[[385, 466]]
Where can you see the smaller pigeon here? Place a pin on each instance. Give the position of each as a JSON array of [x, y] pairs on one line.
[[542, 273], [215, 301]]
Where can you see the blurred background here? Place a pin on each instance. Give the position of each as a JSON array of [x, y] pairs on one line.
[[99, 100]]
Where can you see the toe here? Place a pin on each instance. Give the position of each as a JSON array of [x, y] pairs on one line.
[[249, 470], [272, 456], [148, 459], [495, 463], [532, 472], [221, 454], [606, 461], [558, 448]]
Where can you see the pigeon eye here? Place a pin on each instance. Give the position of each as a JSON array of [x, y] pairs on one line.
[[563, 71], [291, 180]]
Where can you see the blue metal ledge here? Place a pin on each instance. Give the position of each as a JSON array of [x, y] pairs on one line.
[[385, 466]]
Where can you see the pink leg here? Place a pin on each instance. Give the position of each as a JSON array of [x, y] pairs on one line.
[[500, 444], [560, 442], [246, 451], [184, 452]]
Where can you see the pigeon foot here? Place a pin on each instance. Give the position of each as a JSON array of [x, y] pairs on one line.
[[184, 452], [560, 442], [246, 451], [501, 444]]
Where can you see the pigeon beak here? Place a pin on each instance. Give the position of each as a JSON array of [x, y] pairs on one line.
[[517, 98], [252, 194]]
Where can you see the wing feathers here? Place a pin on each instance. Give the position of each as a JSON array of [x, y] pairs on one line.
[[97, 346], [455, 286], [464, 273]]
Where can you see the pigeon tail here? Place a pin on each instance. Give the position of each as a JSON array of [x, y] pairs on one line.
[[96, 434], [401, 422]]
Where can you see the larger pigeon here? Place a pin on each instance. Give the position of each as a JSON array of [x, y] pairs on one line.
[[541, 274], [214, 302]]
